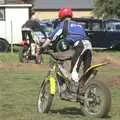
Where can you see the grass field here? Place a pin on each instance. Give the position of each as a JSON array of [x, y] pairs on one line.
[[19, 89]]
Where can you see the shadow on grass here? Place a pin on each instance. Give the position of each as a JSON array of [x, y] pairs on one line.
[[68, 111], [73, 111]]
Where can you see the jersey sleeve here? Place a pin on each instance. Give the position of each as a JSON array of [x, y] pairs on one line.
[[57, 31]]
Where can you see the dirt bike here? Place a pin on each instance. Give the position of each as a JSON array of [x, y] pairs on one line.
[[34, 33], [94, 97], [29, 47]]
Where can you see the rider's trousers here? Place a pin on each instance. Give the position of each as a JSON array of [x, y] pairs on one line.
[[80, 57]]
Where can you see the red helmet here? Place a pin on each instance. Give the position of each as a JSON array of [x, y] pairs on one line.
[[65, 12]]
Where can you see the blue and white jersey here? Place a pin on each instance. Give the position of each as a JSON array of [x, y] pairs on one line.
[[75, 32]]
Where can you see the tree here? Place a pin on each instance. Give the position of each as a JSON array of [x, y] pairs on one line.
[[107, 8]]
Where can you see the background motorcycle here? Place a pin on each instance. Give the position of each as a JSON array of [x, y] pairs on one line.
[[30, 46], [33, 31]]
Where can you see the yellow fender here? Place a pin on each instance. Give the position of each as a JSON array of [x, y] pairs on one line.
[[52, 85], [96, 66]]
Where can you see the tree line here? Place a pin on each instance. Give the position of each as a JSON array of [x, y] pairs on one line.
[[107, 8]]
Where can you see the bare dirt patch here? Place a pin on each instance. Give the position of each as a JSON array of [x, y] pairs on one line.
[[115, 82], [114, 64], [24, 67], [105, 57]]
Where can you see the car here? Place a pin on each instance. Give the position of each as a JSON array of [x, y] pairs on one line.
[[112, 24], [103, 33]]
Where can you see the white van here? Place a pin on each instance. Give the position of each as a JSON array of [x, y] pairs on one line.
[[12, 17]]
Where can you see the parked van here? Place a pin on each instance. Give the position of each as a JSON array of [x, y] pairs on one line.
[[12, 17]]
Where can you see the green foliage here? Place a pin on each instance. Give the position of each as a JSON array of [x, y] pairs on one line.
[[107, 8]]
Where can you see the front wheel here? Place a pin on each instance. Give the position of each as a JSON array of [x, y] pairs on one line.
[[26, 57], [24, 54], [45, 98], [97, 101]]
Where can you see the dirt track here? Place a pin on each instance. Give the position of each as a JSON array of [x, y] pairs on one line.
[[104, 57], [97, 58], [24, 67]]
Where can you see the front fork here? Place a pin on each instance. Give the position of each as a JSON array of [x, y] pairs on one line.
[[52, 81]]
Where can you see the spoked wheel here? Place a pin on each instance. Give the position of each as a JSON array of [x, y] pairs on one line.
[[97, 101], [45, 98], [24, 54]]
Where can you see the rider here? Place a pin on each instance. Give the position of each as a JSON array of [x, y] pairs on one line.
[[75, 35]]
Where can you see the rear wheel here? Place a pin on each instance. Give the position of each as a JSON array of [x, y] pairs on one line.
[[4, 45], [97, 101], [45, 98]]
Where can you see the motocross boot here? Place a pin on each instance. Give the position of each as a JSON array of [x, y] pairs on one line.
[[67, 95], [73, 86], [70, 92]]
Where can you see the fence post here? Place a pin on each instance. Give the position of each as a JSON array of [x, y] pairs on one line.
[[11, 37]]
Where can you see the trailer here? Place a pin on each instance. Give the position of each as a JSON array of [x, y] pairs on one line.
[[12, 17]]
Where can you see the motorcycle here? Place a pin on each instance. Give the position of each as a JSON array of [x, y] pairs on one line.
[[94, 96], [30, 46]]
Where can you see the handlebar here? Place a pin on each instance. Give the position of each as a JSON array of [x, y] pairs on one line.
[[55, 58]]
